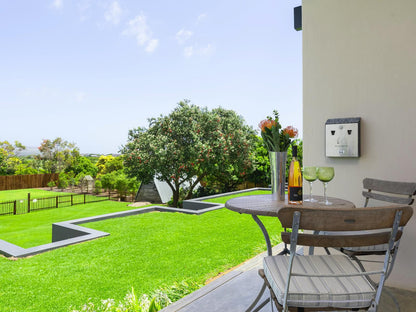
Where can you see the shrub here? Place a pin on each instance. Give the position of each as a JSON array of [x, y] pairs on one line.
[[108, 181], [204, 191], [52, 184], [98, 187], [130, 303], [161, 298], [121, 185], [63, 181]]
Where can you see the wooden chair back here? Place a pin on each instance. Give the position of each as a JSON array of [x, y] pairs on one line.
[[388, 190], [352, 222]]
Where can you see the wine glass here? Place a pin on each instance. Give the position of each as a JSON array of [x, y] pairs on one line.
[[309, 174], [325, 174]]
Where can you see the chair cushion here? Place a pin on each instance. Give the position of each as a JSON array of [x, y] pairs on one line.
[[337, 292]]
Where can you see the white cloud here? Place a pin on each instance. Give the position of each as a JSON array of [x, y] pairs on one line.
[[201, 17], [192, 48], [152, 45], [205, 51], [113, 13], [188, 51], [84, 8], [183, 35], [139, 29], [208, 50], [58, 4]]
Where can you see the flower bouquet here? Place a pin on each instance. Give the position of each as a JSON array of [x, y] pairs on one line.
[[274, 137], [277, 141]]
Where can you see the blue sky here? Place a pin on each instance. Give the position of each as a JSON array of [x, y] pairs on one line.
[[90, 70]]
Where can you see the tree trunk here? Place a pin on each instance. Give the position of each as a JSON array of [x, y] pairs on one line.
[[175, 198], [175, 193], [191, 188]]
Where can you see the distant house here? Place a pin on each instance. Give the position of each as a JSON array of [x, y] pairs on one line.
[[155, 192], [87, 184]]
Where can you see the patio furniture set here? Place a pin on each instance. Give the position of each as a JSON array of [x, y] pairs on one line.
[[337, 279]]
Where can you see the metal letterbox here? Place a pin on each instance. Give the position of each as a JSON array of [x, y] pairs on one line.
[[342, 137]]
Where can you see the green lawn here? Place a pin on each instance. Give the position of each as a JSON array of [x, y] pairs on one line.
[[223, 199], [35, 228], [144, 251], [22, 194]]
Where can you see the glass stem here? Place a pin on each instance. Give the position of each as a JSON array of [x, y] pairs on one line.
[[325, 198], [310, 190]]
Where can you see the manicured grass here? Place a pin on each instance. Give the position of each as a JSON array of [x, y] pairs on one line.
[[144, 251], [223, 199], [35, 228], [22, 194]]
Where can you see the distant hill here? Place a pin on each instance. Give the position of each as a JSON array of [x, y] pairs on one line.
[[30, 150]]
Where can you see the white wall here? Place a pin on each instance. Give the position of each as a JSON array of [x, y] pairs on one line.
[[359, 60]]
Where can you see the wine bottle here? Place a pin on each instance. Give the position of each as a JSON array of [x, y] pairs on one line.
[[295, 179]]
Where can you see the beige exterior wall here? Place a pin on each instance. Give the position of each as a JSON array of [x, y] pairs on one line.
[[359, 60]]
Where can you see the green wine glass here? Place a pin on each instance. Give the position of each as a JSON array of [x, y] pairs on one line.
[[310, 175], [325, 174]]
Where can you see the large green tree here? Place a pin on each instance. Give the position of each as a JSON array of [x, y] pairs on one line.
[[83, 165], [188, 145], [108, 163], [57, 155], [260, 173], [8, 156], [234, 151]]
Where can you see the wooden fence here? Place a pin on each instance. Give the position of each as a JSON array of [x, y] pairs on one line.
[[29, 204], [16, 182]]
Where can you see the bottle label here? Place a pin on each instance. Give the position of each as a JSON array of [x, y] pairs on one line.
[[295, 193]]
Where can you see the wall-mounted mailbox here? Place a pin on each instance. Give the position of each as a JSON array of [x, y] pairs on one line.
[[297, 18], [342, 137]]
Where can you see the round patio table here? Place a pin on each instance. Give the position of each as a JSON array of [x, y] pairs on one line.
[[263, 205]]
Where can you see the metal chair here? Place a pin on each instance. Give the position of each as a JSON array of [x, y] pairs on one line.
[[386, 191], [331, 282]]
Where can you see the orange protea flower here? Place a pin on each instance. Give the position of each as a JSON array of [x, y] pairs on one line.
[[291, 131], [267, 123]]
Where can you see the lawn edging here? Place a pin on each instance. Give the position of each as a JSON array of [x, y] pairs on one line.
[[70, 232]]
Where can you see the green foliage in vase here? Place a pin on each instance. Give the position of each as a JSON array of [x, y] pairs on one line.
[[274, 137]]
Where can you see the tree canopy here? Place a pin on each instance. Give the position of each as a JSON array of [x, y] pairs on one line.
[[57, 155], [9, 162], [188, 145]]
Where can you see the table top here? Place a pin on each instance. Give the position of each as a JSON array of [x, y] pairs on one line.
[[263, 205]]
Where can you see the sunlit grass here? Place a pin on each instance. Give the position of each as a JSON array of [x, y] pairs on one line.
[[144, 251], [35, 228], [22, 194]]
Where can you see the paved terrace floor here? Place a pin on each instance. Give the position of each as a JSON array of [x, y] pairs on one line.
[[235, 290]]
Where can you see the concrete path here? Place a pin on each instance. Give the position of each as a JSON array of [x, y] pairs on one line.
[[232, 292], [236, 290]]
